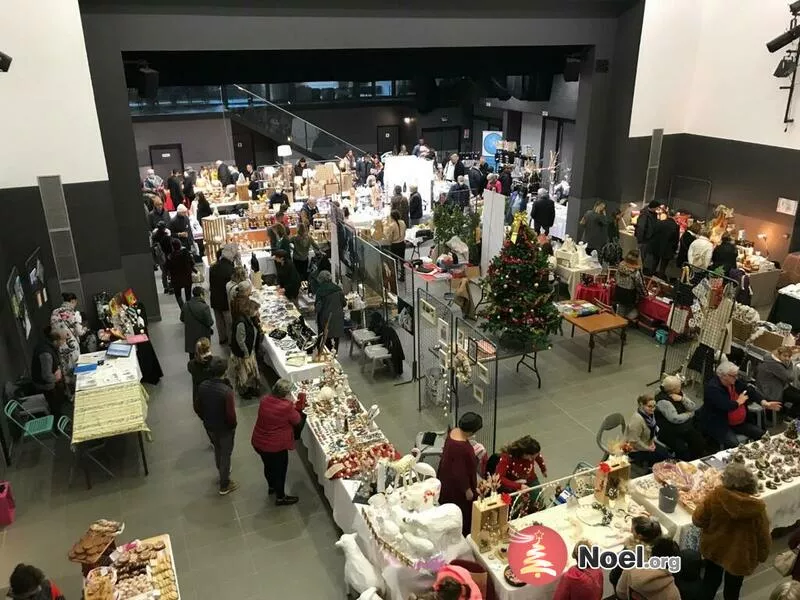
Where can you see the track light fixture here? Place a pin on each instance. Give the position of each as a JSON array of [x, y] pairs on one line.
[[786, 67]]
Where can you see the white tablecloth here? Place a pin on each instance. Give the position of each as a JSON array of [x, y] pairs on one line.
[[109, 400], [783, 508], [572, 277], [556, 518], [277, 359]]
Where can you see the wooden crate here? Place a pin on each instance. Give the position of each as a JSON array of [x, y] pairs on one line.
[[213, 237], [488, 512], [617, 477]]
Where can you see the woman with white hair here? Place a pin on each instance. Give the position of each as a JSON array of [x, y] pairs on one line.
[[675, 418], [724, 412]]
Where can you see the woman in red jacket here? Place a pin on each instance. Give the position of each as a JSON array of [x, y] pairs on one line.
[[273, 437], [580, 584]]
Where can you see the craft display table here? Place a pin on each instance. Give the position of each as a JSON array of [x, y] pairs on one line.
[[600, 323], [109, 401]]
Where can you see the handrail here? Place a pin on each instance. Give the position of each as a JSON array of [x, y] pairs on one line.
[[294, 116]]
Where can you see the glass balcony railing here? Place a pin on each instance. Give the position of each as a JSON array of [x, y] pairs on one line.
[[209, 98], [283, 126]]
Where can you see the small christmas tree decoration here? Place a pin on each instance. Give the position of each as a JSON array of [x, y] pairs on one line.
[[518, 291]]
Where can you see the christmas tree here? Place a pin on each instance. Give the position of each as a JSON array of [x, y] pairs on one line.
[[518, 291]]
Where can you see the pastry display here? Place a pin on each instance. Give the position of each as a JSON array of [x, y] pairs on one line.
[[647, 487], [90, 548], [100, 584], [672, 474]]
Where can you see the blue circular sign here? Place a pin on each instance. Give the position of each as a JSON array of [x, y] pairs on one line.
[[490, 142]]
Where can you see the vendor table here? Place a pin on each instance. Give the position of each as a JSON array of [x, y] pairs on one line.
[[783, 507], [277, 360], [600, 323], [572, 276], [559, 519], [602, 292], [786, 310], [109, 401], [765, 287]]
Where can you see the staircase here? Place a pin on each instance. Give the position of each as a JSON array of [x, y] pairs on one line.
[[280, 125]]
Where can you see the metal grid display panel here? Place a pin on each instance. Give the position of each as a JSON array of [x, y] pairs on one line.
[[477, 391], [697, 343], [434, 336]]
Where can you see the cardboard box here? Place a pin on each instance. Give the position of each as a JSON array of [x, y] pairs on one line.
[[331, 188], [617, 478]]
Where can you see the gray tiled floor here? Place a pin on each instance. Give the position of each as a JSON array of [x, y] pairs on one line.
[[241, 546]]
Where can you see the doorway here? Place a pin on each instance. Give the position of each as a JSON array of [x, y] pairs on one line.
[[166, 157], [388, 138], [444, 140], [243, 150]]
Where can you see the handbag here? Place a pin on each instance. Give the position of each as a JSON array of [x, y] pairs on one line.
[[784, 562], [683, 289]]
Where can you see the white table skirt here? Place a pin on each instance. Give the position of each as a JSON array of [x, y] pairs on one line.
[[572, 277], [277, 359]]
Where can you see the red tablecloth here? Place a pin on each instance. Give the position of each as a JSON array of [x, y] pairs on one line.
[[597, 291], [655, 309]]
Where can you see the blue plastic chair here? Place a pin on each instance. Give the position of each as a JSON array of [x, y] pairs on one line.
[[34, 428]]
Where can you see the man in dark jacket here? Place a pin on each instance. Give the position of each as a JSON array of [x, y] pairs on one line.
[[645, 225], [161, 243], [459, 194], [278, 197], [159, 213], [662, 246], [175, 187], [725, 407], [329, 307], [45, 369], [543, 212], [181, 227], [686, 240], [477, 180], [216, 407], [308, 211], [363, 167], [505, 181], [288, 277], [414, 206], [197, 320], [219, 275]]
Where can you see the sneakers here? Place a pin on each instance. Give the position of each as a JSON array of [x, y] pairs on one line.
[[286, 500], [232, 486]]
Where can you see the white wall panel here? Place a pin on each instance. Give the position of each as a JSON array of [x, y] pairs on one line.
[[48, 123]]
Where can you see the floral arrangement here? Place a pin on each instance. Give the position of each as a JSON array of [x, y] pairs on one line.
[[488, 487]]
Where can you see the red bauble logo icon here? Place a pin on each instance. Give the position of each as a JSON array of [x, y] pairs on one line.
[[537, 555]]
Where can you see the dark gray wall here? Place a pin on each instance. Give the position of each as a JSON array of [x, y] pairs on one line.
[[203, 140], [118, 206]]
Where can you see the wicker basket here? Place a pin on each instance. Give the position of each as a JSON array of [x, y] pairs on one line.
[[742, 331]]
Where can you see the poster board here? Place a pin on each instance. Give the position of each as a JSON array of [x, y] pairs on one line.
[[18, 306], [493, 227], [34, 270]]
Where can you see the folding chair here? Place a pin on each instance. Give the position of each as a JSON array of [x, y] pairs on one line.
[[33, 428], [64, 427]]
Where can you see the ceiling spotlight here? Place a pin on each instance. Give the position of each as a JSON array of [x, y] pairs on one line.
[[784, 39], [786, 67], [407, 120]]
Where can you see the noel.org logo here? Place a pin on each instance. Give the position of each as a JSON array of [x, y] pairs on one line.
[[537, 555]]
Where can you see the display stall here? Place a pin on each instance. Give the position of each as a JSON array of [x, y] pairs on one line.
[[592, 504], [405, 171], [775, 460], [109, 400], [572, 263], [137, 570], [288, 344]]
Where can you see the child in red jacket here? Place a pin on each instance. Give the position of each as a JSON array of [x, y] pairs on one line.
[[580, 584], [28, 582], [517, 471]]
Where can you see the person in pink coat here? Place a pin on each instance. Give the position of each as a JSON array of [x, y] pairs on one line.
[[580, 584]]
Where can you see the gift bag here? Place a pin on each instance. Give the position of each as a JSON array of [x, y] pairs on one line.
[[701, 291], [716, 290]]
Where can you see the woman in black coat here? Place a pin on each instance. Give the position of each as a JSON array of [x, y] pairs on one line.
[[329, 307], [288, 277], [180, 266], [725, 255], [197, 320]]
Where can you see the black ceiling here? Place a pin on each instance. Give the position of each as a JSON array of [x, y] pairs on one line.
[[462, 8], [215, 68]]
